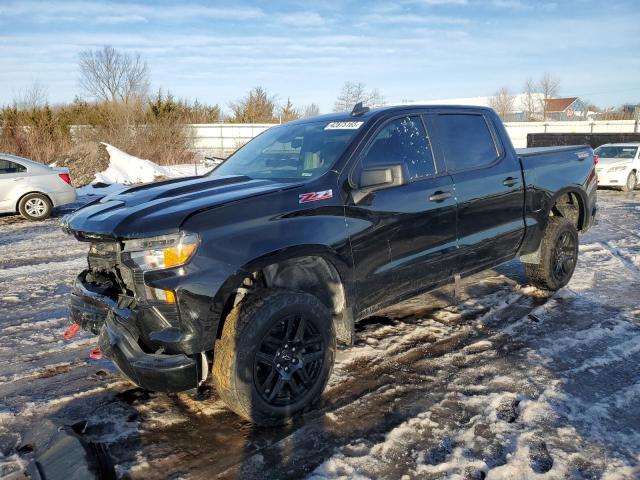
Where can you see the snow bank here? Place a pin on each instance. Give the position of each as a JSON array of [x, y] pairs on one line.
[[125, 169]]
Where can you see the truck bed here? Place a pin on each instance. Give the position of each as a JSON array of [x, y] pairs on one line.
[[531, 152]]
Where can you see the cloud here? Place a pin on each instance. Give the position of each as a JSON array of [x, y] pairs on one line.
[[77, 11], [113, 19], [445, 2], [303, 19], [414, 18], [231, 49], [510, 4], [519, 5]]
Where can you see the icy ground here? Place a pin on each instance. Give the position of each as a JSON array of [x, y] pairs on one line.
[[509, 382]]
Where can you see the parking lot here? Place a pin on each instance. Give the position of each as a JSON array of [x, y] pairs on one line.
[[503, 382]]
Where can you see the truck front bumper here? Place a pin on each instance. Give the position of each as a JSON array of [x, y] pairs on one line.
[[120, 342], [151, 371]]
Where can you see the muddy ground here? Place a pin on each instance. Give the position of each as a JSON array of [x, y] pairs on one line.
[[507, 381]]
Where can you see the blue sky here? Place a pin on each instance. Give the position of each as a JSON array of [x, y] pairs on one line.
[[408, 49]]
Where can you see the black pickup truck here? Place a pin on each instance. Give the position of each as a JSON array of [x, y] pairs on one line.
[[251, 273]]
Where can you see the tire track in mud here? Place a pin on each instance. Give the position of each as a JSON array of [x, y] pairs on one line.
[[621, 228], [622, 256], [408, 383], [369, 397], [389, 378]]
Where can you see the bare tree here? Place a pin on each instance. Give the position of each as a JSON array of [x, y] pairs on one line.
[[548, 87], [375, 99], [107, 74], [502, 102], [288, 112], [32, 97], [528, 103], [256, 107], [311, 110], [354, 92]]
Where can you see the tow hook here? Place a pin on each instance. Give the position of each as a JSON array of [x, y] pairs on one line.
[[96, 354]]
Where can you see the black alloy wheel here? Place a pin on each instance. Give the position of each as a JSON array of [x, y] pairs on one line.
[[564, 256], [558, 255], [289, 360], [274, 356]]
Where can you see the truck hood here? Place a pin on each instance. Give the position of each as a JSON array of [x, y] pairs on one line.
[[161, 208]]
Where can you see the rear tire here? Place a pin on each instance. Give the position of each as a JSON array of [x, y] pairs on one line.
[[558, 255], [632, 182], [275, 355], [35, 206]]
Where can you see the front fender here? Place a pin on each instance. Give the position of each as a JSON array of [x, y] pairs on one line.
[[232, 248]]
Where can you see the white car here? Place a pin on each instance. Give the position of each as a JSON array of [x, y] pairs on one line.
[[618, 165], [31, 188]]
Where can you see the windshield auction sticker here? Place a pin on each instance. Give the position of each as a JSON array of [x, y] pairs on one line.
[[343, 126]]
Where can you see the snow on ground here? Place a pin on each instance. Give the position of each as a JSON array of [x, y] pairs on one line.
[[506, 382], [125, 169]]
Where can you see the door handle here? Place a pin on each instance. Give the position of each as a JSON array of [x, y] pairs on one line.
[[17, 179], [439, 196], [510, 182]]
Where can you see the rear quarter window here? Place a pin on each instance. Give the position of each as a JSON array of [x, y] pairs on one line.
[[7, 166], [466, 141]]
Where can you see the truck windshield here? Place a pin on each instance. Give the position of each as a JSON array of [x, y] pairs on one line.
[[291, 152], [616, 152]]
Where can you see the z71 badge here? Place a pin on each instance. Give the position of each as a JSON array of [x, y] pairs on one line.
[[315, 196]]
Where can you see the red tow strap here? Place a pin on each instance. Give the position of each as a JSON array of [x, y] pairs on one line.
[[71, 331], [96, 354]]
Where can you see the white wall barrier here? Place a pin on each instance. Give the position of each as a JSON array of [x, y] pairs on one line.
[[222, 139]]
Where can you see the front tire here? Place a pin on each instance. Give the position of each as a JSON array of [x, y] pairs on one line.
[[558, 255], [275, 355], [632, 181], [35, 206]]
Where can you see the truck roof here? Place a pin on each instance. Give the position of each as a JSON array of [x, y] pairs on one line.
[[346, 116]]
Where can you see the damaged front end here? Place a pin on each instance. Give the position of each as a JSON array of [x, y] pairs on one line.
[[129, 297]]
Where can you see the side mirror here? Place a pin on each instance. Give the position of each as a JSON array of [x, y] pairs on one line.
[[379, 177]]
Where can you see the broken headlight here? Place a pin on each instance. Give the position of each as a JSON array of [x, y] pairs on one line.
[[166, 251]]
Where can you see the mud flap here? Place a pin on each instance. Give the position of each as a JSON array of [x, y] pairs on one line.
[[457, 288], [344, 326], [60, 453], [533, 257]]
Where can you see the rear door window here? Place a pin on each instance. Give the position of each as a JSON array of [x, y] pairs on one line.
[[403, 140], [7, 166], [466, 141]]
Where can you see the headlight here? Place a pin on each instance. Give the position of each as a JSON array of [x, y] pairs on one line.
[[166, 251], [617, 169]]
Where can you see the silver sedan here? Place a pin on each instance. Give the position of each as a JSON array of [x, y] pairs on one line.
[[32, 189]]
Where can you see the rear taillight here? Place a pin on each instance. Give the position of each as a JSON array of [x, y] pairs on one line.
[[65, 177], [595, 159]]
